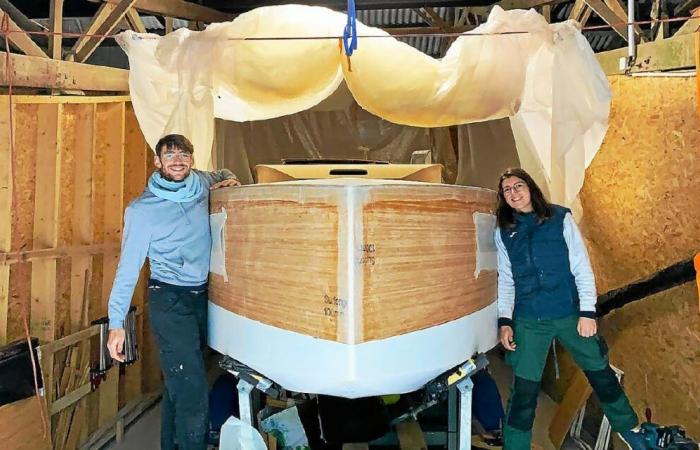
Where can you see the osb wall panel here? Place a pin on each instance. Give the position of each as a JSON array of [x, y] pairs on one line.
[[657, 343], [641, 208], [641, 214]]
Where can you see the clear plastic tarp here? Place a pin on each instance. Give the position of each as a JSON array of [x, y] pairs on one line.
[[543, 77]]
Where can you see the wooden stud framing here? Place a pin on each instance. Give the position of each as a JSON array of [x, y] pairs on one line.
[[46, 212], [83, 143], [135, 151], [56, 21], [109, 121], [59, 250], [20, 39], [6, 212]]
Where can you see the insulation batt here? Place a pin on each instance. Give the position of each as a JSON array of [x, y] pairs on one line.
[[544, 77]]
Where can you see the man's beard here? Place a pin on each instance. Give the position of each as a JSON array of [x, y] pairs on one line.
[[167, 177]]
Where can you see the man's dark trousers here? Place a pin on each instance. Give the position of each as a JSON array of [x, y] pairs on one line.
[[178, 317]]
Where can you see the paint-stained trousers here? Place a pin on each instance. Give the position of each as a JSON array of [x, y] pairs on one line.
[[533, 338], [178, 317]]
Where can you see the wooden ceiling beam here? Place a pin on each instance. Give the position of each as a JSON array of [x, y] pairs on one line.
[[527, 4], [46, 73], [668, 54], [180, 9]]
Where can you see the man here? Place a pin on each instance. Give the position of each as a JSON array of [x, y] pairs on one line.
[[169, 224]]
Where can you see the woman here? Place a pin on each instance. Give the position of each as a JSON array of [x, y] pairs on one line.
[[546, 290]]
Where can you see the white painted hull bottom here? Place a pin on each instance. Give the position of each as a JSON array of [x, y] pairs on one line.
[[396, 365]]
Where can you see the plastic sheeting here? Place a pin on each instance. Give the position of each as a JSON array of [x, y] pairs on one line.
[[544, 77], [347, 133]]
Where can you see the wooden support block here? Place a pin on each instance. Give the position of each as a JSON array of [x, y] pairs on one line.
[[410, 436], [119, 430], [574, 399]]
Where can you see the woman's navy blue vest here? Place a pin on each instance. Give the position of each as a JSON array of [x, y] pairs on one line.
[[539, 257]]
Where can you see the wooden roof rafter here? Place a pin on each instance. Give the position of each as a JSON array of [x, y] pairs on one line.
[[103, 23], [20, 39], [180, 9]]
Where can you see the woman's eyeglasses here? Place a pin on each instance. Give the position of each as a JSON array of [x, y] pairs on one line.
[[517, 187]]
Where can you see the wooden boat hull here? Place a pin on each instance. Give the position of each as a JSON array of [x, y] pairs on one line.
[[356, 273]]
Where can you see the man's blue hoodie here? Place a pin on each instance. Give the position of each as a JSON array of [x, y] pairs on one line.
[[174, 236]]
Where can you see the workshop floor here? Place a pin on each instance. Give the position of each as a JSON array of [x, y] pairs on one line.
[[144, 434]]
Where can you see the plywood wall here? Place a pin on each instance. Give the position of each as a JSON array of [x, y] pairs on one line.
[[76, 163], [641, 214]]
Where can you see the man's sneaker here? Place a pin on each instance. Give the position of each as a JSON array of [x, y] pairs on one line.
[[634, 440]]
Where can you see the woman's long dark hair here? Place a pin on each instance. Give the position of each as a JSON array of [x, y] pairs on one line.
[[504, 213]]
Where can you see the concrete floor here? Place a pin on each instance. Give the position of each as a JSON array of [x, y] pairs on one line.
[[144, 433]]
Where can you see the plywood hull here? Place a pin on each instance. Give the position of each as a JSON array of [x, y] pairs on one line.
[[352, 287], [353, 261]]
